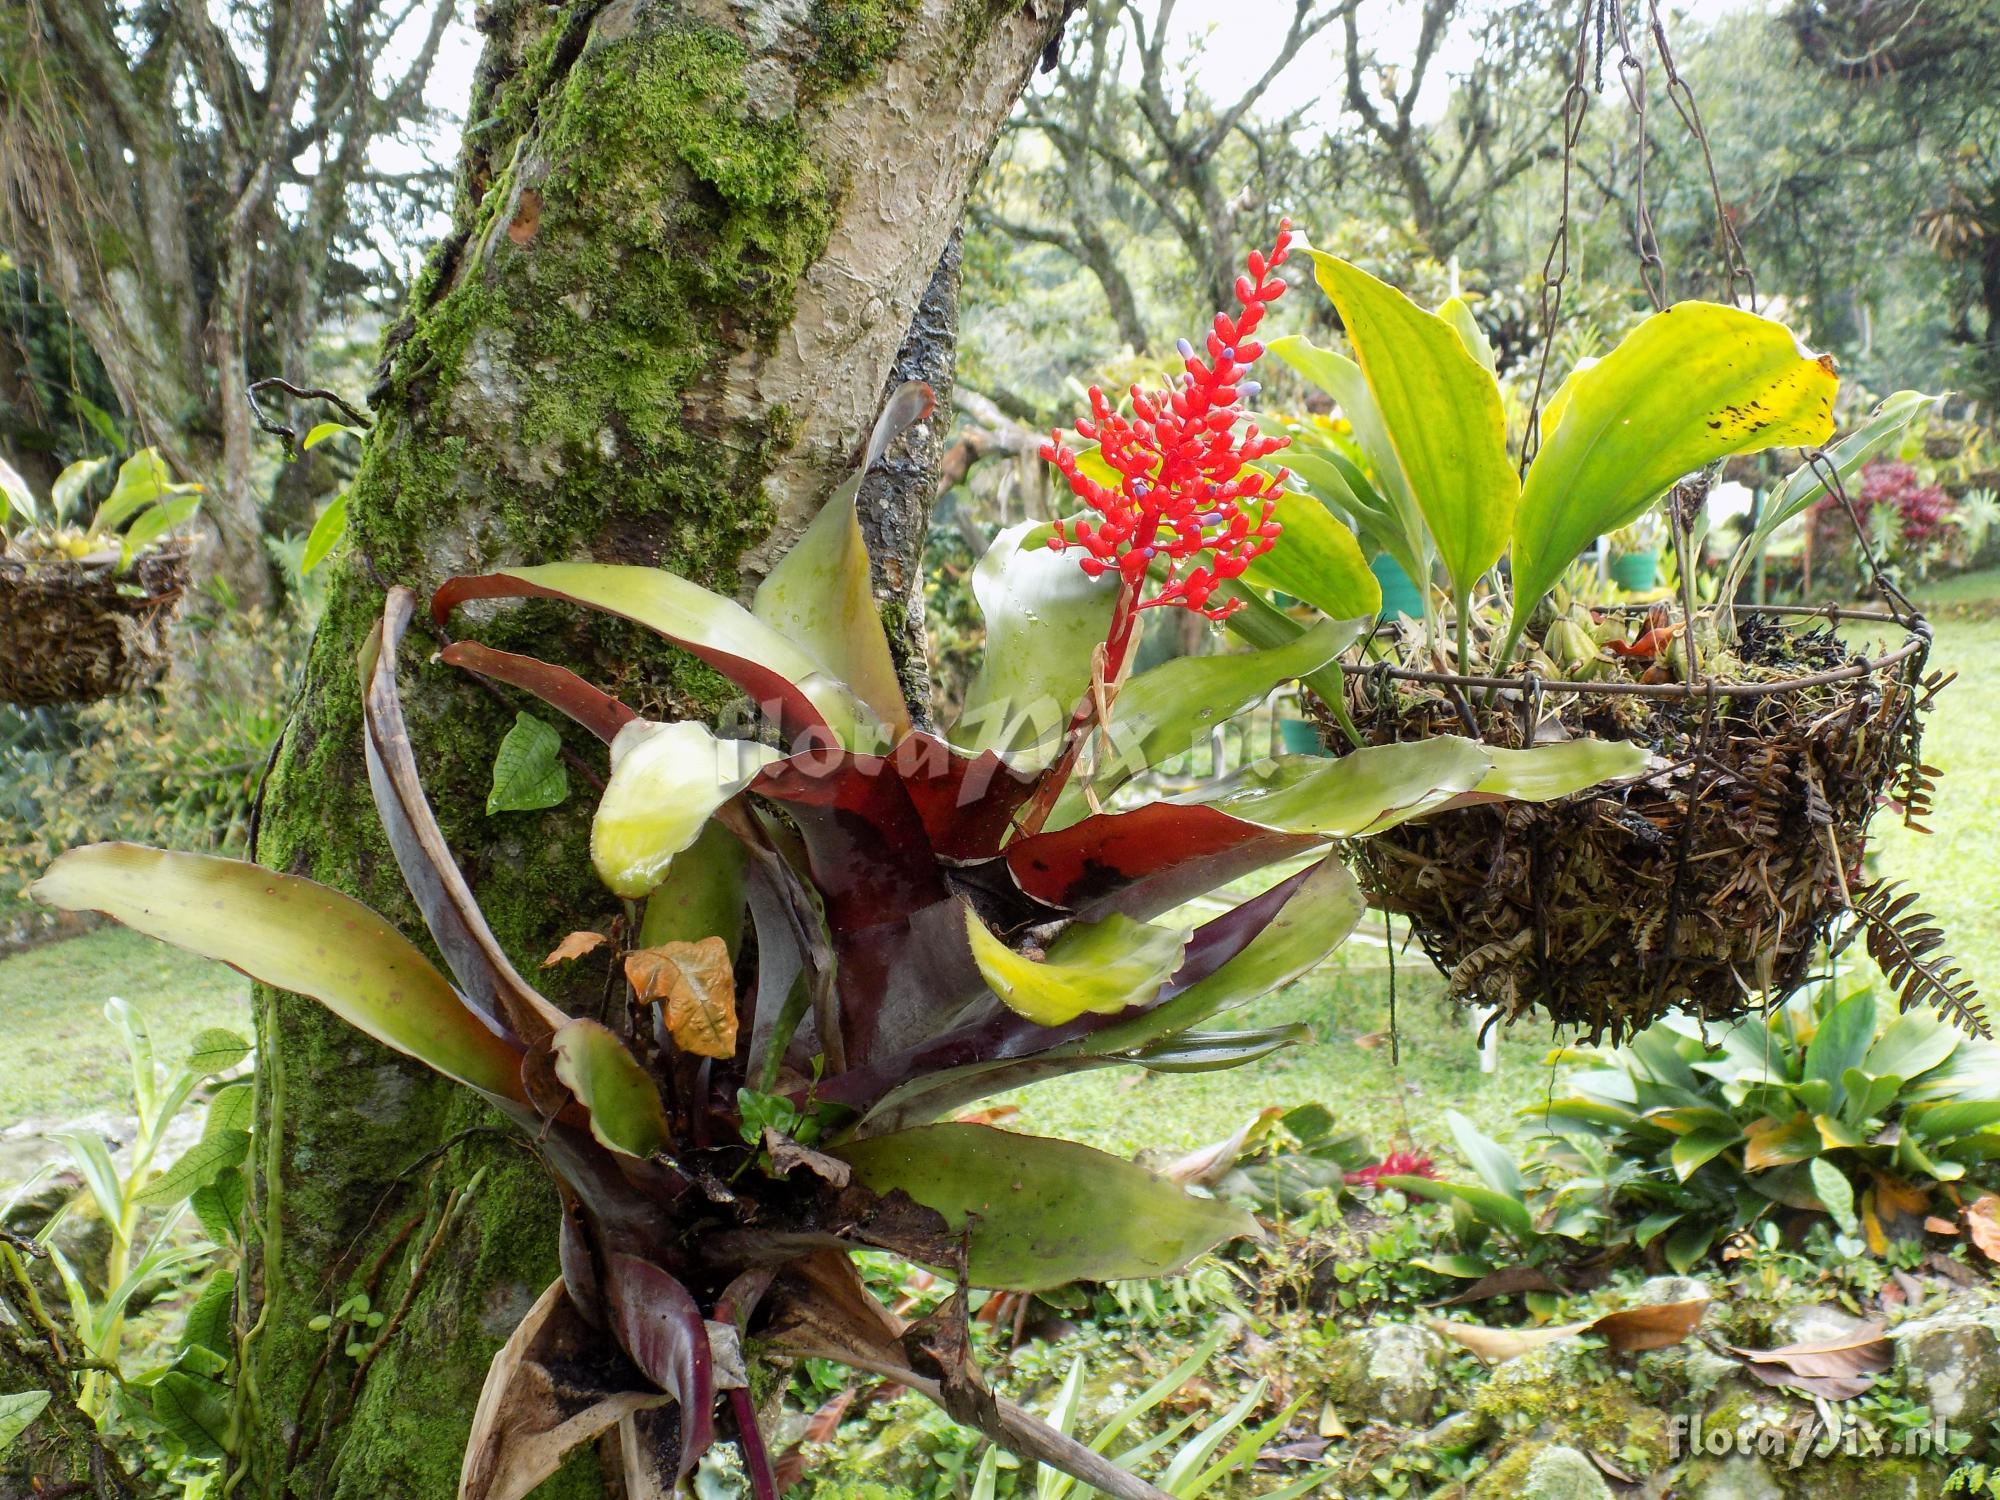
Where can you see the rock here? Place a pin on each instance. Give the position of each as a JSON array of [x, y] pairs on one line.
[[1542, 1471], [1737, 1477], [1658, 1291], [1460, 1432], [1813, 1324], [1387, 1373], [1952, 1360], [1560, 1473]]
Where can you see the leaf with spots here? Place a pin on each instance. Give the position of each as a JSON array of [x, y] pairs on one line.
[[697, 984]]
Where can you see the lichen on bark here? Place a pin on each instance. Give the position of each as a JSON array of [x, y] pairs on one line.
[[688, 241]]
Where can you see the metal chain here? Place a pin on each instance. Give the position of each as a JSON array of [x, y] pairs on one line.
[[1742, 282]]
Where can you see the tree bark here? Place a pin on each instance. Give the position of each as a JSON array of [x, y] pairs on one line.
[[689, 243]]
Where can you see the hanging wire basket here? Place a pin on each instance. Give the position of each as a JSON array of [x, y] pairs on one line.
[[1705, 884], [75, 631]]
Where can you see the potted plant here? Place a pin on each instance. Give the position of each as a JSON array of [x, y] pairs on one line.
[[847, 929], [1704, 884], [84, 606], [1635, 555]]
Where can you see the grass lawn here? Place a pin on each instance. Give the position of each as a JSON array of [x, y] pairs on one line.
[[65, 1057]]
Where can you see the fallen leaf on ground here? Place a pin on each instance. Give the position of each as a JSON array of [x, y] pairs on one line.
[[575, 946], [697, 984], [1504, 1283], [1629, 1330], [1837, 1368], [1940, 1226], [1982, 1222]]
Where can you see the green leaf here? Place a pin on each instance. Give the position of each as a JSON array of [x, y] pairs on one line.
[[100, 1175], [16, 499], [1654, 1225], [1317, 560], [1043, 620], [323, 430], [1690, 385], [1687, 1245], [1459, 1267], [528, 773], [1803, 485], [68, 489], [1841, 1041], [1492, 1161], [702, 896], [1404, 537], [293, 934], [1443, 415], [219, 1207], [143, 480], [153, 523], [1458, 313], [327, 530], [1496, 1209], [1548, 772], [1912, 1044], [196, 1167], [210, 1319], [1317, 918], [821, 596], [704, 622], [1947, 1121], [1365, 791], [194, 1410], [1092, 968], [1697, 1148], [666, 782], [17, 1411], [620, 1096], [1835, 1193], [1165, 711], [1040, 1213], [232, 1108], [215, 1050]]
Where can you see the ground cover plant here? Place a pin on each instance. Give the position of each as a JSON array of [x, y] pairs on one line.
[[930, 921]]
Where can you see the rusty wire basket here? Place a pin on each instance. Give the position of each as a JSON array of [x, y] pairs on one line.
[[77, 631], [1705, 884]]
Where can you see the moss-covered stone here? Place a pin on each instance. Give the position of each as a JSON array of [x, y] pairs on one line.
[[1565, 1393]]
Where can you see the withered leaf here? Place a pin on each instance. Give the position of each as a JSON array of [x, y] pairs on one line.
[[1982, 1222], [574, 946], [697, 985], [1505, 1282], [1837, 1368], [1627, 1331]]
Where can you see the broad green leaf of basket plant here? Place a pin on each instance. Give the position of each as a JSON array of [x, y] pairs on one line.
[[1034, 1209], [293, 934], [1320, 562], [1443, 413], [1690, 385], [17, 1411]]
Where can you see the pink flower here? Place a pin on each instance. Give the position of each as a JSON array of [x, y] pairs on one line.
[[1395, 1164]]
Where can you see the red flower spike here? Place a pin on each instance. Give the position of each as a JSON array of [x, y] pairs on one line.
[[1183, 492]]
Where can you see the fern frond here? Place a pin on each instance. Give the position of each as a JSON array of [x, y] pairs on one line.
[[1905, 943]]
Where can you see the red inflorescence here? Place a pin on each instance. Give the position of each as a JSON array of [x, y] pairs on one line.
[[1183, 487], [1395, 1164]]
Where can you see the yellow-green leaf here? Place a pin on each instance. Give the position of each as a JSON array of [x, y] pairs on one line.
[[622, 1100], [1097, 968], [1690, 385], [1443, 414], [666, 780]]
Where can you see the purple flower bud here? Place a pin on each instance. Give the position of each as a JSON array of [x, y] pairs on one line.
[[1248, 390], [1186, 349]]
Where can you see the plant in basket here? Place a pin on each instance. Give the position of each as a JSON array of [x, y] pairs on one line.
[[851, 928], [85, 605], [1710, 880]]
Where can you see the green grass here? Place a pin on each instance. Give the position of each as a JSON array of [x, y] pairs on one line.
[[63, 1056]]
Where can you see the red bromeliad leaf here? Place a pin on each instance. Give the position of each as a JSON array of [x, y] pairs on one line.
[[560, 688], [659, 1325], [485, 974]]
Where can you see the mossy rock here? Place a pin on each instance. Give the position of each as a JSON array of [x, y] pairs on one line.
[[1563, 1393], [1542, 1471], [1388, 1373]]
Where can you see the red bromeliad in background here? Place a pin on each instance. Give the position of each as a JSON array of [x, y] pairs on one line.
[[1395, 1164], [1184, 483]]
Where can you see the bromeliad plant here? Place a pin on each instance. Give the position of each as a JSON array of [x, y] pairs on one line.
[[847, 936]]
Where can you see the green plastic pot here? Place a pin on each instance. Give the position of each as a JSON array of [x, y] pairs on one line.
[[1635, 572], [1399, 594], [1300, 738]]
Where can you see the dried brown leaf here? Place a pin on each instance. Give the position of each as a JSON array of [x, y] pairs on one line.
[[1982, 1222], [1630, 1329], [1837, 1368], [696, 982], [575, 946]]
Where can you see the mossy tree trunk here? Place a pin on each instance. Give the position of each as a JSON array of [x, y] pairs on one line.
[[691, 240]]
